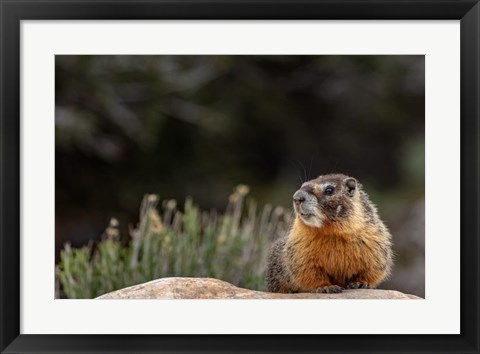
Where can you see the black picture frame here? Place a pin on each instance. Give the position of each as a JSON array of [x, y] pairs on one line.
[[12, 12]]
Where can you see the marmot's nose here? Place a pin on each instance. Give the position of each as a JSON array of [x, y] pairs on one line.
[[299, 196]]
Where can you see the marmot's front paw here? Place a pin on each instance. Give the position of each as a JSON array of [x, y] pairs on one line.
[[330, 289], [358, 285]]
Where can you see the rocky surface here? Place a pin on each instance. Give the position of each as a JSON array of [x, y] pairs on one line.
[[208, 288]]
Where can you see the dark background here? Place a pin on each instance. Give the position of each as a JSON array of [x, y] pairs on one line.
[[198, 126]]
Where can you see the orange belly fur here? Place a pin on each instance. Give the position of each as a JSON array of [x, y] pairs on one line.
[[331, 256]]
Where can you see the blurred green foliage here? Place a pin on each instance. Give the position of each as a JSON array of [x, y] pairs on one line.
[[198, 125], [232, 247]]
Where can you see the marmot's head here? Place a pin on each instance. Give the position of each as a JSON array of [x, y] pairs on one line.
[[326, 199]]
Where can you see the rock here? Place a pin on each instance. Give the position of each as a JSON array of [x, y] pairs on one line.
[[208, 288]]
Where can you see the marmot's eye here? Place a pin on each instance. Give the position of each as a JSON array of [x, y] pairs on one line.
[[328, 190]]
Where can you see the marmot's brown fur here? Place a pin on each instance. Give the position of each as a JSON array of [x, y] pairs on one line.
[[337, 241]]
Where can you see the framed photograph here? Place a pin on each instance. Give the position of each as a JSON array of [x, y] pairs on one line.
[[239, 176]]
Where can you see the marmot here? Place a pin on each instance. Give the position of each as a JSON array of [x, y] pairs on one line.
[[337, 240]]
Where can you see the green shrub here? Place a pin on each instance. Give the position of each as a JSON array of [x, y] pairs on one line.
[[232, 246]]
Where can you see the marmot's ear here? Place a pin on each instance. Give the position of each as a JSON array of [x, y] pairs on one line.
[[351, 184]]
